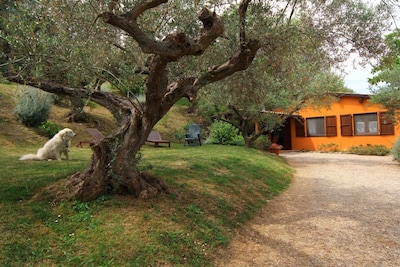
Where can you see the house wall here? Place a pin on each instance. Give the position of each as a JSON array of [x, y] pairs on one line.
[[354, 104]]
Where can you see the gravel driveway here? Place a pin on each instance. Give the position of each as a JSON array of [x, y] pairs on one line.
[[341, 210]]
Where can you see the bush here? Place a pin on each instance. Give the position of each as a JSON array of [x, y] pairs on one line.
[[377, 150], [237, 141], [49, 128], [224, 133], [396, 150], [262, 143], [179, 135], [33, 106], [331, 147]]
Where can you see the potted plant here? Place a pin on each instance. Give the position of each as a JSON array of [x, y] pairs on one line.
[[275, 148]]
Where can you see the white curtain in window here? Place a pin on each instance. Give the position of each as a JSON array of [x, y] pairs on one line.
[[360, 127], [312, 126], [316, 126], [373, 126]]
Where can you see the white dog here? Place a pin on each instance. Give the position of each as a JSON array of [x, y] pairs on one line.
[[53, 148]]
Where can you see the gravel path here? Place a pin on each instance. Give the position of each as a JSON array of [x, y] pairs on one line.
[[341, 210]]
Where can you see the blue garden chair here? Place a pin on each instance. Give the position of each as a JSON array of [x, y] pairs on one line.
[[192, 138]]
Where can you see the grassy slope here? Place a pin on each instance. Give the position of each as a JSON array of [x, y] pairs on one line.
[[12, 132], [219, 188]]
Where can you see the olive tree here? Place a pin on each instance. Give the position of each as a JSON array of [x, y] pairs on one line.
[[386, 78]]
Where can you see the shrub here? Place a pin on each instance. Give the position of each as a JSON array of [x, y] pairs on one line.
[[33, 106], [262, 143], [331, 147], [377, 150], [179, 135], [224, 133], [49, 128], [237, 141], [396, 150]]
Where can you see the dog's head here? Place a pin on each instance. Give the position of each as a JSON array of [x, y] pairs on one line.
[[66, 133]]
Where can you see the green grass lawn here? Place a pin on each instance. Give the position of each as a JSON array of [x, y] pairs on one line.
[[219, 188]]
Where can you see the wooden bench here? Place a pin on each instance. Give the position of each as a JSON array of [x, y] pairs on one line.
[[155, 137], [97, 137]]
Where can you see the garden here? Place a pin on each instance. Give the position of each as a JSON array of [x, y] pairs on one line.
[[218, 188]]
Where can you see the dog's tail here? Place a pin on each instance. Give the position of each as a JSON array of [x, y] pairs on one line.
[[31, 157]]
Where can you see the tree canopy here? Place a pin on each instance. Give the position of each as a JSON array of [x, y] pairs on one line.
[[387, 76]]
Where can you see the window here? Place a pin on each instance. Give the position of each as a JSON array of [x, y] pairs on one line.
[[316, 126], [366, 124], [321, 126]]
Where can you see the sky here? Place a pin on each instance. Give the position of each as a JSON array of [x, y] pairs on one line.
[[357, 79]]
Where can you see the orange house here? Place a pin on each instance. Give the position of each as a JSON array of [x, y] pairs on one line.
[[351, 120]]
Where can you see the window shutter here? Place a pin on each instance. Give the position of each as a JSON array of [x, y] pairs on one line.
[[300, 132], [386, 124], [346, 125], [330, 126]]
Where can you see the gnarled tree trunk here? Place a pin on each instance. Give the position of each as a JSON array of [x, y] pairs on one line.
[[112, 169]]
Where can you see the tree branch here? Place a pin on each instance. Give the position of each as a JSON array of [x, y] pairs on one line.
[[238, 62], [118, 105], [241, 61], [237, 112], [175, 45], [242, 19], [143, 6]]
